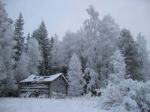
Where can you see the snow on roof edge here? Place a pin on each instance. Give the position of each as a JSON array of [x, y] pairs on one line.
[[35, 78]]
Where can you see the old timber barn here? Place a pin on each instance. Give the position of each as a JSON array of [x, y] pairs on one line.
[[44, 86]]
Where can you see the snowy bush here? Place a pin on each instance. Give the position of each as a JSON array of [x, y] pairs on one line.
[[127, 96]]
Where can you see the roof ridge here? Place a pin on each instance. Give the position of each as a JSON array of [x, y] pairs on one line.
[[35, 78]]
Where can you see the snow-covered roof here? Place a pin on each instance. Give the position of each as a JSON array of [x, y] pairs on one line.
[[35, 78]]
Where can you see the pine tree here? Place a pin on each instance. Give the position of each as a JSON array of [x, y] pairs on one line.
[[75, 77], [18, 38], [41, 35], [128, 48]]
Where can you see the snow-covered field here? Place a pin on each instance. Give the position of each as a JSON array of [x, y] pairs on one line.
[[48, 105]]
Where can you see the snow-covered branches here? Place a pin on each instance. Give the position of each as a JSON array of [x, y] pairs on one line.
[[75, 76], [118, 66], [126, 96]]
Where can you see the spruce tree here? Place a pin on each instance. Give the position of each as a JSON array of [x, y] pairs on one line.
[[128, 48], [18, 38], [41, 35], [144, 56]]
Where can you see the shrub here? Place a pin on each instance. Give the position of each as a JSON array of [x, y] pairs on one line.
[[126, 96]]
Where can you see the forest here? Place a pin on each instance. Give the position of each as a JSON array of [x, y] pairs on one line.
[[99, 59]]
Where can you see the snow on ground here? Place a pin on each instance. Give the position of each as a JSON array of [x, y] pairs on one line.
[[48, 105]]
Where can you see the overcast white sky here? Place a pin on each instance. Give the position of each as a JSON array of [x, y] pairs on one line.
[[63, 15]]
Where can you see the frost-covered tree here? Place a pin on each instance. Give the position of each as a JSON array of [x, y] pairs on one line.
[[100, 43], [18, 38], [91, 80], [91, 25], [55, 50], [72, 43], [29, 60], [144, 56], [128, 48], [75, 77], [41, 35], [6, 53], [57, 56], [34, 56], [50, 56], [6, 43], [19, 50], [94, 44], [118, 66], [21, 71]]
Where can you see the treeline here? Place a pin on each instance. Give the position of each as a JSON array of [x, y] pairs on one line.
[[97, 53]]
